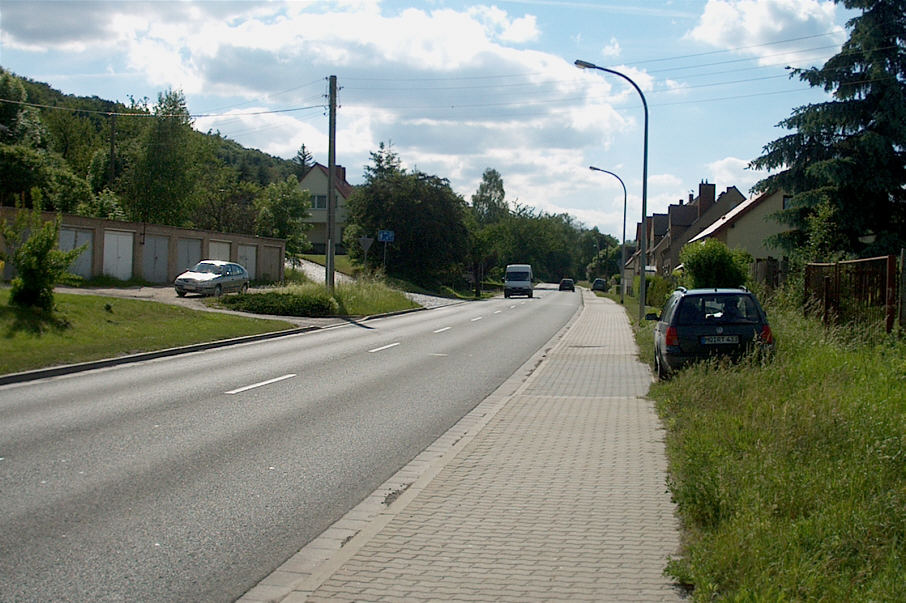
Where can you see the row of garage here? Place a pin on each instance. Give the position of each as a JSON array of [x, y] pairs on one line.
[[157, 254]]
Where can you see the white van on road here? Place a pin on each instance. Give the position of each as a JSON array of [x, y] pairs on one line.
[[518, 280]]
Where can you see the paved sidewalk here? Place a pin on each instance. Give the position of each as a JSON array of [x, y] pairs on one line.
[[554, 488]]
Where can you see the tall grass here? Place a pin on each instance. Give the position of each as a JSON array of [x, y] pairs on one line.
[[790, 474]]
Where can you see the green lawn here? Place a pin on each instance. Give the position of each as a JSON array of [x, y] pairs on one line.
[[87, 327], [790, 474]]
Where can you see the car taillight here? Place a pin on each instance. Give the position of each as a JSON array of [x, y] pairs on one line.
[[671, 338], [766, 335]]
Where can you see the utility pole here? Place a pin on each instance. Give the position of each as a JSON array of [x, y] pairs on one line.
[[331, 183], [112, 149]]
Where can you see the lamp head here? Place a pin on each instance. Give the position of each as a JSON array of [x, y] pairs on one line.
[[584, 64]]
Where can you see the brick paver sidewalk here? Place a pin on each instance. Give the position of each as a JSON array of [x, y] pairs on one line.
[[559, 494]]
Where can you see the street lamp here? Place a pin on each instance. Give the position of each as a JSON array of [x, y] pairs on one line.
[[644, 234], [623, 242]]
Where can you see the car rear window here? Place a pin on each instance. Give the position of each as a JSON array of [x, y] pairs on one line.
[[721, 307]]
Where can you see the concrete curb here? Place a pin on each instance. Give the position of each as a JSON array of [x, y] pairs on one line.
[[68, 369]]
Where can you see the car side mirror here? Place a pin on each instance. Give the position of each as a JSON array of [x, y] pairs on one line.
[[652, 316]]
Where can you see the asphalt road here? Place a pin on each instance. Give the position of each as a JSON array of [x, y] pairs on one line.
[[191, 478]]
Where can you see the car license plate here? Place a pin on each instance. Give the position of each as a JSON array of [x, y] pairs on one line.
[[719, 339]]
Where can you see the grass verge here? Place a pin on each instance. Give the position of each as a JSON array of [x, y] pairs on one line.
[[362, 298], [88, 327], [790, 474]]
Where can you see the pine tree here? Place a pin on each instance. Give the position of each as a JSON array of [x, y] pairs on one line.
[[302, 162], [846, 155]]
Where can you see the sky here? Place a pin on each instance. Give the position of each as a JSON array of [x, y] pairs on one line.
[[458, 87]]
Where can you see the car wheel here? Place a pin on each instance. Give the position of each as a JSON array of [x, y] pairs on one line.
[[530, 295], [662, 373], [218, 291], [244, 288], [180, 293]]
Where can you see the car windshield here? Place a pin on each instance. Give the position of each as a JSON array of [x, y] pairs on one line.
[[723, 308], [516, 276], [208, 267]]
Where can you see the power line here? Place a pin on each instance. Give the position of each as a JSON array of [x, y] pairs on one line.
[[146, 115]]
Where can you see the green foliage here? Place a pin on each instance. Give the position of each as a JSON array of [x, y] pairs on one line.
[[31, 245], [104, 205], [607, 261], [317, 302], [427, 218], [161, 179], [281, 211], [710, 263], [489, 201], [361, 298], [11, 89], [847, 153], [788, 473], [302, 162], [657, 289]]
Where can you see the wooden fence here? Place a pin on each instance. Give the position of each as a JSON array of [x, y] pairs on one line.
[[857, 290]]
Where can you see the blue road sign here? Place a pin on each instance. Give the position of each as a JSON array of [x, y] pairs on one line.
[[385, 236]]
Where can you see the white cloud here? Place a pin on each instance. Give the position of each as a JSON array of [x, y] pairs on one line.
[[612, 49], [732, 171], [497, 23], [775, 31]]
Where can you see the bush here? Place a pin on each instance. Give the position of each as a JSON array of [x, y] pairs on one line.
[[657, 288], [283, 304], [711, 263], [31, 245]]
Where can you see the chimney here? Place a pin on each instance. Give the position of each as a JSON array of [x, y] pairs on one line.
[[341, 173], [705, 197], [691, 198]]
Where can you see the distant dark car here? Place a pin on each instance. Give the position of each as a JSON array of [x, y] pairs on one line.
[[567, 284], [697, 324], [599, 284], [212, 277]]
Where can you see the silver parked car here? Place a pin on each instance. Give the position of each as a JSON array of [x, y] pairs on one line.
[[213, 277]]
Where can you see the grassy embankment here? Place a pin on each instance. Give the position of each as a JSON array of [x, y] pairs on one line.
[[790, 474], [88, 327]]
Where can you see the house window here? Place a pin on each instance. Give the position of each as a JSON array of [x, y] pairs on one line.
[[319, 202], [787, 201]]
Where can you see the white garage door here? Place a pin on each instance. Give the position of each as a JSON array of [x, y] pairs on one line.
[[248, 257], [154, 259], [70, 238], [118, 254], [219, 250], [188, 253]]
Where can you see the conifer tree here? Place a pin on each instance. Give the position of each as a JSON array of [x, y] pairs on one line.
[[847, 156]]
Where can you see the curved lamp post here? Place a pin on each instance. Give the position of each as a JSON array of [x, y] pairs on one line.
[[644, 234], [623, 242]]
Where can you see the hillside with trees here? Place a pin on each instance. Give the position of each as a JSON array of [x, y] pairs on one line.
[[135, 161]]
